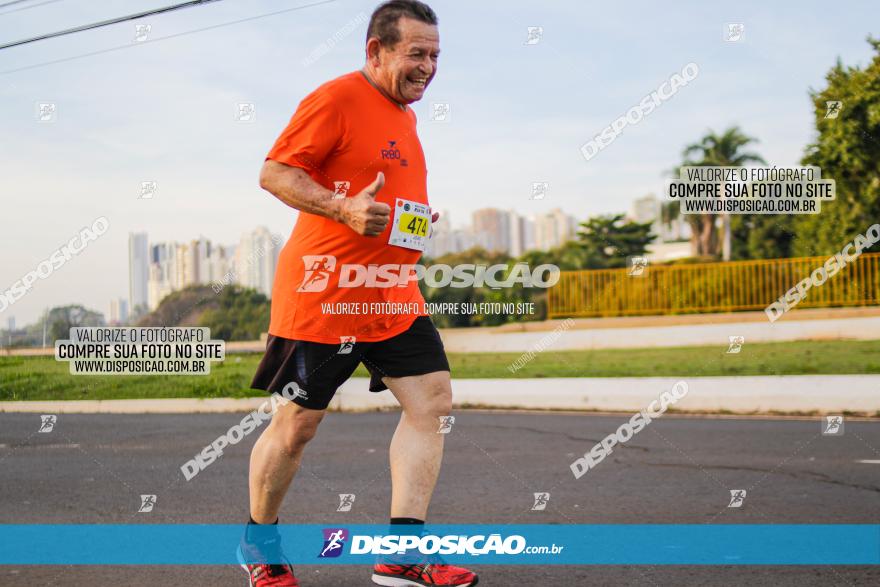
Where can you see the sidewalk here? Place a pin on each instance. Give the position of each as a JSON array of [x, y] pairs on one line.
[[831, 394], [637, 332], [668, 331]]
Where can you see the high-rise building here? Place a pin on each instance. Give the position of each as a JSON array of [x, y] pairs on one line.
[[220, 263], [464, 239], [203, 260], [138, 271], [118, 312], [528, 234], [645, 209], [553, 229], [158, 286], [517, 234], [179, 266], [492, 229], [257, 258], [190, 264], [442, 241], [648, 209]]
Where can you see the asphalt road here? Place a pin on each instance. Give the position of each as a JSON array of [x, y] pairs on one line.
[[93, 469]]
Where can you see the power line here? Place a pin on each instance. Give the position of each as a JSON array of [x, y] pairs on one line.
[[11, 3], [157, 39], [108, 22], [27, 7]]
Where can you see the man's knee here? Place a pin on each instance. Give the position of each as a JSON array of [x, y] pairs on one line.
[[442, 401], [295, 426], [435, 401]]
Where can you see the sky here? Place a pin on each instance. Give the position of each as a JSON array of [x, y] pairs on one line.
[[164, 109]]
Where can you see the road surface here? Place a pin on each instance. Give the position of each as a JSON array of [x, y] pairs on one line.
[[94, 468]]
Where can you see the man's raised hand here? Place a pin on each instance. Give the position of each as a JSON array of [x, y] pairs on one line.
[[363, 214]]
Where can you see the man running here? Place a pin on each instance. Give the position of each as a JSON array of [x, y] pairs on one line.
[[355, 131]]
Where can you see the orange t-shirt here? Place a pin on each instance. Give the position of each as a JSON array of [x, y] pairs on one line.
[[343, 134]]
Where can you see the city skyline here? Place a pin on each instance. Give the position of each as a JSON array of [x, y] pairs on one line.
[[156, 269], [170, 266]]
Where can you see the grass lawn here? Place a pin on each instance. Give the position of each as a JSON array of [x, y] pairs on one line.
[[42, 378]]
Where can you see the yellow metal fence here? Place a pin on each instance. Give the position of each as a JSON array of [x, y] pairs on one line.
[[711, 287]]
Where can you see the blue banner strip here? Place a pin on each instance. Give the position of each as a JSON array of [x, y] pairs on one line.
[[621, 544]]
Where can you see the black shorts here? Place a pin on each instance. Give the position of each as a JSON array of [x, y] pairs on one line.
[[319, 369]]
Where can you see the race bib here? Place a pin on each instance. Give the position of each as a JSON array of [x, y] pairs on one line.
[[412, 225]]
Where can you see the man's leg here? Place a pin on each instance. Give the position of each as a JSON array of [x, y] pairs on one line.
[[417, 448], [276, 457]]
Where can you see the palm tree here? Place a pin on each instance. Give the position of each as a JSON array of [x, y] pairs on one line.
[[717, 151]]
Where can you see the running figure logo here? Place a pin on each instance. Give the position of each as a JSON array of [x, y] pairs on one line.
[[346, 501], [736, 343], [539, 190], [737, 497], [334, 540], [148, 190], [446, 423], [340, 189], [47, 423], [47, 112], [440, 112], [317, 272], [148, 502], [141, 32], [832, 426], [535, 34], [346, 345], [637, 266], [735, 32], [246, 112], [541, 500], [832, 108]]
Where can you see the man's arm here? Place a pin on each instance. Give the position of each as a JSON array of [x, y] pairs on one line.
[[294, 187]]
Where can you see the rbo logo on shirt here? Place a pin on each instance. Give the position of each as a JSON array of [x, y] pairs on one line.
[[391, 152]]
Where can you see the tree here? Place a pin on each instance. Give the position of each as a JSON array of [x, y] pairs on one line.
[[847, 149], [569, 256], [181, 308], [762, 236], [240, 314], [608, 240], [235, 313], [61, 319], [670, 212], [717, 151]]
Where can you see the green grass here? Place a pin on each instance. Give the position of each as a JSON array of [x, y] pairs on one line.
[[43, 378]]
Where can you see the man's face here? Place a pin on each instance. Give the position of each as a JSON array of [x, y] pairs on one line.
[[405, 70]]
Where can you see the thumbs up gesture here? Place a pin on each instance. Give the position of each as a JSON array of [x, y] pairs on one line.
[[363, 214]]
